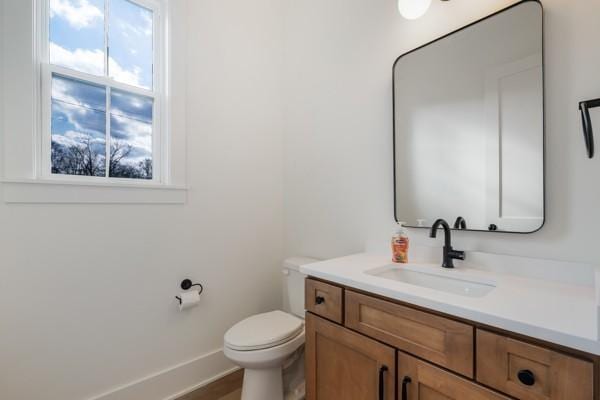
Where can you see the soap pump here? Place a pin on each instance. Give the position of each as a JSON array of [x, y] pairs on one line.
[[400, 244]]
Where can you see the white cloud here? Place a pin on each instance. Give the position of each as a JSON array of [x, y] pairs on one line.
[[63, 90], [139, 134], [135, 32], [89, 61], [74, 138], [80, 116], [82, 137], [60, 90], [139, 137], [78, 13], [66, 141], [137, 29], [123, 75], [148, 22], [92, 62]]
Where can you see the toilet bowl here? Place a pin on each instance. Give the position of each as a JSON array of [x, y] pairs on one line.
[[261, 345], [266, 344]]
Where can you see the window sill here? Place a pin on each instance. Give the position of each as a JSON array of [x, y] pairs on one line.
[[45, 191]]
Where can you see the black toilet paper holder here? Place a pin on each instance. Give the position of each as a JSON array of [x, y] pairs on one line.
[[187, 284]]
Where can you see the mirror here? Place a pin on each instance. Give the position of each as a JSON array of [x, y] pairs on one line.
[[469, 126]]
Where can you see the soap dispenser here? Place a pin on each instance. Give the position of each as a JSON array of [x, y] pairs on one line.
[[400, 244]]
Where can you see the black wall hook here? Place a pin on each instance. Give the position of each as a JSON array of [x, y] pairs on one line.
[[187, 284], [588, 130]]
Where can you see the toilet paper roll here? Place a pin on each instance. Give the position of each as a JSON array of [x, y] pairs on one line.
[[189, 300]]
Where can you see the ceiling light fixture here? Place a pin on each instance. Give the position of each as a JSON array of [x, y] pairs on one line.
[[413, 9]]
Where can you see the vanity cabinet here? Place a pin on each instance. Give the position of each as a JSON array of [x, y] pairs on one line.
[[360, 346]]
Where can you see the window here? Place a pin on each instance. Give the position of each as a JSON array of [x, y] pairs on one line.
[[102, 90], [94, 102]]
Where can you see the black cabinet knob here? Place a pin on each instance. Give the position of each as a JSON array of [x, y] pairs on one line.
[[320, 300], [526, 377]]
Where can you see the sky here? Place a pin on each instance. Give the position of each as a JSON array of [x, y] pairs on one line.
[[77, 42]]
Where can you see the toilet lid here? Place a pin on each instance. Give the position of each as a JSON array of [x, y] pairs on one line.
[[263, 331]]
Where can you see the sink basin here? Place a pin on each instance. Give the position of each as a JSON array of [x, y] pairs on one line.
[[450, 281]]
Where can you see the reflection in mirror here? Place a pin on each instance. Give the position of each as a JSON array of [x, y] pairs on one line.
[[469, 126]]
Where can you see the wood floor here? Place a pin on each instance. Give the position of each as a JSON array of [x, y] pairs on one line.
[[226, 388], [237, 395]]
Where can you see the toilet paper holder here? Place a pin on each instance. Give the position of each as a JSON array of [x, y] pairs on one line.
[[187, 284]]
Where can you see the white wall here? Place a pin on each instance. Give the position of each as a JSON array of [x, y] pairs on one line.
[[86, 291], [338, 125]]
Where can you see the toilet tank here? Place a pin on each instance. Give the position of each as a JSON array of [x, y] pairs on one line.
[[293, 285]]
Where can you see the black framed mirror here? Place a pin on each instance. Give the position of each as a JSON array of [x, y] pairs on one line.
[[469, 126]]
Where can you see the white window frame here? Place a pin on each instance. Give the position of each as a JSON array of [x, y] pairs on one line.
[[160, 122]]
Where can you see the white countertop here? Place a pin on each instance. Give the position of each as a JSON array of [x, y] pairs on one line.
[[561, 313]]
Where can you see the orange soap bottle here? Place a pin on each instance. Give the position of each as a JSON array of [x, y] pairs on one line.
[[400, 244]]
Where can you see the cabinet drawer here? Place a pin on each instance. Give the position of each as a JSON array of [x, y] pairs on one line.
[[324, 299], [531, 372], [437, 339], [418, 380]]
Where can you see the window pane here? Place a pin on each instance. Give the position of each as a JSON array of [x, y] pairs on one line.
[[131, 43], [77, 35], [78, 128], [130, 135]]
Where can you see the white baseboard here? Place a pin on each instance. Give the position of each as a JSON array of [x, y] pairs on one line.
[[175, 381]]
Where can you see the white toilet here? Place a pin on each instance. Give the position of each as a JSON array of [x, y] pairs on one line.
[[270, 346]]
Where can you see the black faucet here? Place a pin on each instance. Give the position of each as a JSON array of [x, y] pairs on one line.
[[449, 253], [460, 223]]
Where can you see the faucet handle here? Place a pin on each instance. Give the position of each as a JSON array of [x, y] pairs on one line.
[[457, 254]]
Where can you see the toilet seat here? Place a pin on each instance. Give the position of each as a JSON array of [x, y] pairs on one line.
[[263, 331]]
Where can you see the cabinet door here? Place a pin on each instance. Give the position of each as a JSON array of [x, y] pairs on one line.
[[343, 365], [418, 380]]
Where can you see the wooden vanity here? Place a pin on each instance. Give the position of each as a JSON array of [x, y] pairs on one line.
[[361, 346]]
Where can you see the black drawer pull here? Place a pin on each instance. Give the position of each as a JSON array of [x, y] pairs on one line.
[[320, 300], [405, 383], [382, 372], [526, 377]]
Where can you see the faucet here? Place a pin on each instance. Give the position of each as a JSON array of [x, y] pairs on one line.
[[449, 253], [460, 223]]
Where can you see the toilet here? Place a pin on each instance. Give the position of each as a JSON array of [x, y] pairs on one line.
[[270, 346]]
